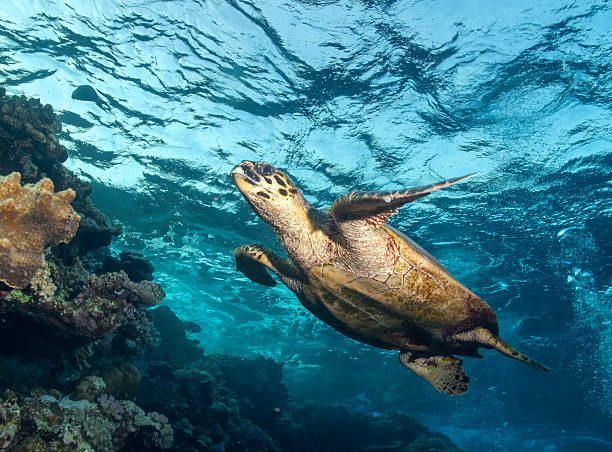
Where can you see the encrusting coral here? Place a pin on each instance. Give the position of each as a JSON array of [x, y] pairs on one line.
[[32, 217]]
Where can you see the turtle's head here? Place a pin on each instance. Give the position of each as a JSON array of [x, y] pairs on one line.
[[270, 192]]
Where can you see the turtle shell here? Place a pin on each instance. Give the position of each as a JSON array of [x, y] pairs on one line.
[[416, 305]]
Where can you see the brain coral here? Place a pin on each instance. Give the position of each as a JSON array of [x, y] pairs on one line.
[[31, 218]]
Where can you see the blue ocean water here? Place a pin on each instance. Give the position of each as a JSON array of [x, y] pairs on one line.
[[347, 95]]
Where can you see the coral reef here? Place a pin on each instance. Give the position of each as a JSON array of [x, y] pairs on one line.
[[121, 380], [29, 145], [28, 135], [177, 349], [58, 321], [31, 218], [137, 267], [41, 355], [105, 303], [87, 326], [45, 421], [88, 388], [222, 403]]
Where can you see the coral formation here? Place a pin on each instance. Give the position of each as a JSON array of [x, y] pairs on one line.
[[58, 321], [120, 380], [177, 349], [88, 388], [29, 145], [226, 403], [79, 322], [137, 267], [42, 284], [105, 303], [44, 421], [28, 135], [31, 218]]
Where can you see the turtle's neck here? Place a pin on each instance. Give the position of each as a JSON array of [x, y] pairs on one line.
[[305, 236]]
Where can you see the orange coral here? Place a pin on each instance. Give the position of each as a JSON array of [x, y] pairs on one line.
[[32, 217]]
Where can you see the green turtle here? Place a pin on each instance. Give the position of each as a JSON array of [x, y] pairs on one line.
[[366, 279]]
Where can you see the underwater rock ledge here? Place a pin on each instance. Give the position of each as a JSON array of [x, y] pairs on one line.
[[118, 375]]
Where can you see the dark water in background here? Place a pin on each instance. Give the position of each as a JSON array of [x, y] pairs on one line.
[[359, 95]]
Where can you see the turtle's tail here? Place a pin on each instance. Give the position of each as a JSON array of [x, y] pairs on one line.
[[487, 339]]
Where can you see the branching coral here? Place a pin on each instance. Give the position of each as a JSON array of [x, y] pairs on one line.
[[153, 429], [42, 284], [31, 218]]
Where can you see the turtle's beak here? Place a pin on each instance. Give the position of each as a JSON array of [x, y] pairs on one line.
[[237, 170], [244, 176], [240, 180]]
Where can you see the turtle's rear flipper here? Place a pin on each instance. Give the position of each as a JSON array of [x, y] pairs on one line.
[[252, 261], [485, 338], [444, 373]]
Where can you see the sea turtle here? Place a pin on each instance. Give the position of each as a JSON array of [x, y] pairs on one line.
[[366, 279]]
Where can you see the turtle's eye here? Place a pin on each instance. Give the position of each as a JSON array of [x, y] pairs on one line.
[[251, 174], [264, 169]]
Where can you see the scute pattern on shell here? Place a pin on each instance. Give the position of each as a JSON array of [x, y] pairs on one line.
[[414, 304], [32, 217]]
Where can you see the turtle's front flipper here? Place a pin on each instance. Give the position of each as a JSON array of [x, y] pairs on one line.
[[253, 260], [444, 373], [375, 207]]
